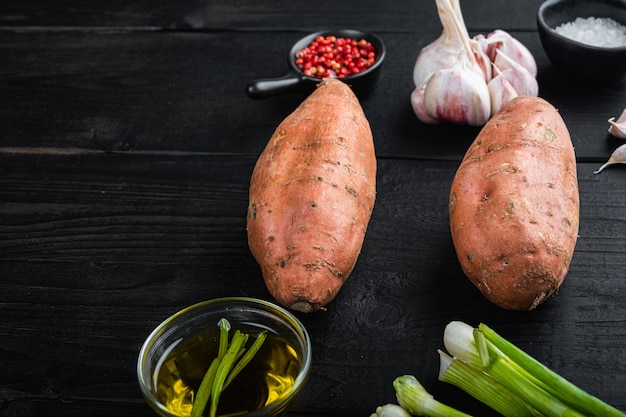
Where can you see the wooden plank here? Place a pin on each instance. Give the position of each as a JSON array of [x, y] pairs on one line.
[[395, 16], [155, 91], [127, 143], [97, 249]]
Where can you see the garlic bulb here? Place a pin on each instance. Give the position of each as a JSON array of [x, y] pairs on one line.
[[465, 80], [618, 127]]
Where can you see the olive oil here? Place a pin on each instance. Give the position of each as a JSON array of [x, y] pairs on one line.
[[269, 376]]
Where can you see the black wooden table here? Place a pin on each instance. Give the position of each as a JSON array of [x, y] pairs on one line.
[[126, 147]]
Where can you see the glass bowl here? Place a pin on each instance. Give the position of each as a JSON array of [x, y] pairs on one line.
[[176, 355]]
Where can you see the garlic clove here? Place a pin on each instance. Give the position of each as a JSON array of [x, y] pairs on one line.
[[500, 92], [482, 60], [457, 95], [500, 40], [524, 83], [618, 127], [618, 157], [417, 102]]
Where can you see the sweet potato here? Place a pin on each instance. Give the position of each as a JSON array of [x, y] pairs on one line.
[[312, 193], [514, 205]]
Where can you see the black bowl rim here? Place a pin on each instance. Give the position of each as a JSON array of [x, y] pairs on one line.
[[544, 25], [349, 33]]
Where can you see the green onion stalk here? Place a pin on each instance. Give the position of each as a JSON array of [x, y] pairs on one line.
[[483, 350], [231, 358], [499, 374], [414, 398], [483, 387]]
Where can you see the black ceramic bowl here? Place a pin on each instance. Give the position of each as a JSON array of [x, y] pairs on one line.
[[576, 59], [296, 81]]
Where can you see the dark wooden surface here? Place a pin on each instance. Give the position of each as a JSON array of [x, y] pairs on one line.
[[126, 147]]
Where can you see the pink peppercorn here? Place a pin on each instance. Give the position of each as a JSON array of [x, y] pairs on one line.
[[329, 56]]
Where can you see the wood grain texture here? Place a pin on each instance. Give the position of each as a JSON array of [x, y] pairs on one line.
[[169, 91], [126, 148], [93, 261], [399, 15]]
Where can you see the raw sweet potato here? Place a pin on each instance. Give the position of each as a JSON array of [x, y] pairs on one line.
[[514, 205], [312, 193]]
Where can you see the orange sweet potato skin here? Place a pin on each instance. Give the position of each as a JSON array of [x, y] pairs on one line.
[[312, 193], [514, 205]]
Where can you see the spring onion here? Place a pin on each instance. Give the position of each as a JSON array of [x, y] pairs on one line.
[[544, 391], [554, 383], [482, 387], [230, 360], [204, 391], [414, 398], [499, 374]]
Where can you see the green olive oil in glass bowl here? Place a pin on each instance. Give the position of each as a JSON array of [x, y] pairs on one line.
[[177, 354]]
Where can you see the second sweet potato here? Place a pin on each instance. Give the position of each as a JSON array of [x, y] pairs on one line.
[[514, 205]]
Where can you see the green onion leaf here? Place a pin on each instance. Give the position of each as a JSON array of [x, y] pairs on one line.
[[554, 383], [247, 357], [204, 391], [224, 326], [482, 387], [224, 368], [534, 395]]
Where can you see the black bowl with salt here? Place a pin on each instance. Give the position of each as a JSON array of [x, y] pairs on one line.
[[585, 39]]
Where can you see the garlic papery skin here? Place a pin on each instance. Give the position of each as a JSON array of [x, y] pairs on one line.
[[453, 43], [443, 52], [457, 95], [500, 40], [617, 127]]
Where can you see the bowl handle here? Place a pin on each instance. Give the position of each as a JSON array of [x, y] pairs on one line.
[[268, 87]]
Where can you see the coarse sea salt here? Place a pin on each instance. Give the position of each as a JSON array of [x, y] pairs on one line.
[[595, 31]]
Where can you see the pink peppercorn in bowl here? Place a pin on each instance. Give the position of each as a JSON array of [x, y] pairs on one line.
[[584, 39], [354, 56]]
